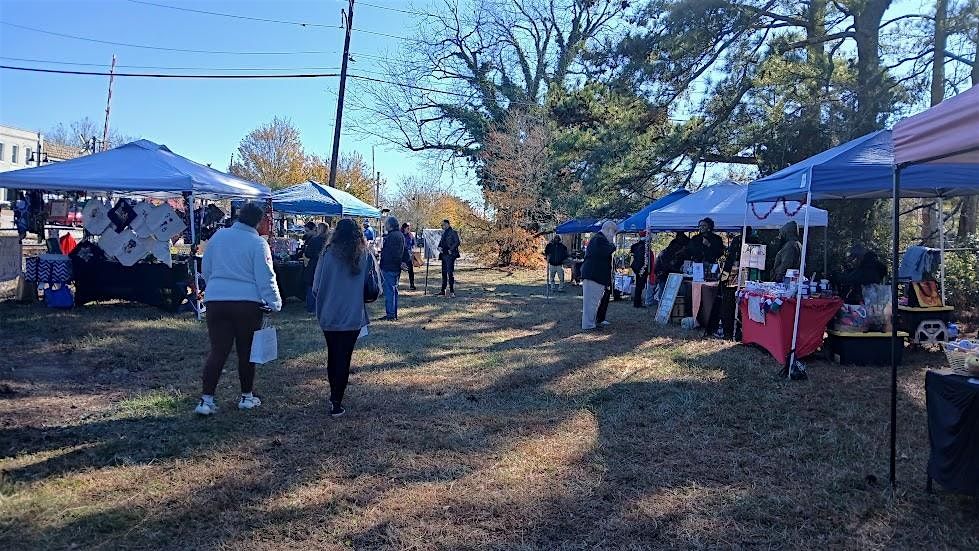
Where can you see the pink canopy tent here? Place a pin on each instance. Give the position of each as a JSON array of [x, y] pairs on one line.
[[946, 133]]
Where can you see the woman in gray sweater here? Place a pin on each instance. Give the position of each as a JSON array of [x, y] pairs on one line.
[[338, 291]]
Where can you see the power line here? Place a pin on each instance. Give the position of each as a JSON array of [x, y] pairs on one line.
[[165, 75], [265, 20], [398, 10], [169, 68], [236, 16], [160, 48], [213, 76], [184, 50]]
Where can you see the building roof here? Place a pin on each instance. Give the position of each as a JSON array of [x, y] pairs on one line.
[[61, 151]]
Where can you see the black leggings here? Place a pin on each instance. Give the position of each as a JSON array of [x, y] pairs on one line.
[[449, 273], [340, 349], [411, 274]]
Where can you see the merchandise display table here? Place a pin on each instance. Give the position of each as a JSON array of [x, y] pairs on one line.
[[152, 284], [863, 348], [775, 335], [703, 296], [953, 431], [289, 276]]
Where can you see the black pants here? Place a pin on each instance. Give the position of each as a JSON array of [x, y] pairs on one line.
[[603, 306], [231, 323], [449, 273], [638, 291], [411, 274], [340, 349]]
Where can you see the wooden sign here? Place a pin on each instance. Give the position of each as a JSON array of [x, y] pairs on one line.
[[668, 298]]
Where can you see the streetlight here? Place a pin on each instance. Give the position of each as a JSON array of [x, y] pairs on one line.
[[36, 156]]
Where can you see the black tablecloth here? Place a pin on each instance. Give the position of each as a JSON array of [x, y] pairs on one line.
[[953, 431], [289, 276], [153, 284]]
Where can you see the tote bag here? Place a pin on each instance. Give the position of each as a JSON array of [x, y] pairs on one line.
[[265, 344]]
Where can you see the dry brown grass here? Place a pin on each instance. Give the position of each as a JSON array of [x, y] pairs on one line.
[[485, 422]]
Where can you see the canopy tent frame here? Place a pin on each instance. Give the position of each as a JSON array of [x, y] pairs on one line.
[[864, 178], [162, 173]]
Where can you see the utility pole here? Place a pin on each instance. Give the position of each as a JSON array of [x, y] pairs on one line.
[[377, 189], [348, 23], [108, 105], [40, 143]]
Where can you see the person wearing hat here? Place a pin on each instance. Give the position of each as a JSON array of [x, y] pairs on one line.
[[789, 257], [556, 253], [368, 232], [639, 251]]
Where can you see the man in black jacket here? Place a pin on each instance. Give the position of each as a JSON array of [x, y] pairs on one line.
[[448, 253], [596, 277], [556, 253], [638, 251], [706, 246], [392, 252]]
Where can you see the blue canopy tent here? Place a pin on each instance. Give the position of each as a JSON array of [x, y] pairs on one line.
[[314, 199], [865, 168], [637, 222], [141, 167], [578, 225]]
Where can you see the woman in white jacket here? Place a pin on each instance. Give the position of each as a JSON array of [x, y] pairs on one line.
[[237, 269]]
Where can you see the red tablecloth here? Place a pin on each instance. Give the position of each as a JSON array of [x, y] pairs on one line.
[[775, 335]]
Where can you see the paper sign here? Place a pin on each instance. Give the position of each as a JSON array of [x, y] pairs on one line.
[[698, 271], [668, 298], [431, 240]]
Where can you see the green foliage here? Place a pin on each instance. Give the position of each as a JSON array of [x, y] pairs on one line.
[[962, 279]]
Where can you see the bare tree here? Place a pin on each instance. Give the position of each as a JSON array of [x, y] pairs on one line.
[[472, 62]]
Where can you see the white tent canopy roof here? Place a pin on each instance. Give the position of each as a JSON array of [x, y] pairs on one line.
[[725, 203]]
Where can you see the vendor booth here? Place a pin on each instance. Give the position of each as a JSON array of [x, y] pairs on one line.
[[131, 258], [868, 167], [315, 199], [637, 222], [725, 203]]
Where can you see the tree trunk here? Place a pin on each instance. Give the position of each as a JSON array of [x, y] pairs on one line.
[[872, 96], [931, 219]]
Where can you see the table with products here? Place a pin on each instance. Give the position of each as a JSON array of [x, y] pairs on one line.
[[154, 284], [289, 276], [774, 334], [953, 431]]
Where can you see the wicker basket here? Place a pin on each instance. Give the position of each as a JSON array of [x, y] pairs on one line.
[[957, 359]]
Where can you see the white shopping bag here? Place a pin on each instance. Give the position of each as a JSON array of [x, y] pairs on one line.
[[265, 344]]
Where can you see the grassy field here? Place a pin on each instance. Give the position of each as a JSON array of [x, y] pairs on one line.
[[485, 422]]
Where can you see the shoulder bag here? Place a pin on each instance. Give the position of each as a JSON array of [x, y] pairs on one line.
[[372, 283]]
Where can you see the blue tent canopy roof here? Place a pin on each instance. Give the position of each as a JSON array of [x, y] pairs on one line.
[[316, 199], [637, 222], [141, 167], [863, 168], [577, 225]]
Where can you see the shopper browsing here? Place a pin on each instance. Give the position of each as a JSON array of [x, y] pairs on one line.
[[448, 254], [338, 290], [596, 276], [237, 269], [392, 254]]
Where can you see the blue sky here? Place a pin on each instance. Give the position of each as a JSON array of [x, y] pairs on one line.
[[201, 119]]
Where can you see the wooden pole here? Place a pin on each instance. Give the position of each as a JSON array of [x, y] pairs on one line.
[[108, 106], [348, 24]]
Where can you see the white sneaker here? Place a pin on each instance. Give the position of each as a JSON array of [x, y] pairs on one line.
[[605, 323], [249, 402], [205, 408]]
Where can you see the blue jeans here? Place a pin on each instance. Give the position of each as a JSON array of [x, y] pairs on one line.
[[391, 292]]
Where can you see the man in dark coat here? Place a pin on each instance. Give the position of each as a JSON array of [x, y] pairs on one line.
[[556, 253], [866, 270], [639, 250], [789, 257], [312, 247], [448, 254], [596, 277], [706, 246]]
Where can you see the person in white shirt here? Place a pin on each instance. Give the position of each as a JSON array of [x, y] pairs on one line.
[[240, 288]]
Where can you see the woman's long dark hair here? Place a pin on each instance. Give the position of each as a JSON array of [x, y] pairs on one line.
[[348, 244]]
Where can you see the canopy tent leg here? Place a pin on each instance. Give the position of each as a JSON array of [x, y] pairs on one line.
[[826, 251], [198, 307], [941, 245], [894, 340], [802, 274], [737, 289]]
